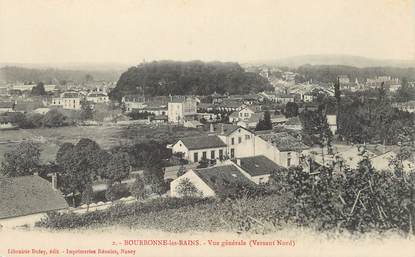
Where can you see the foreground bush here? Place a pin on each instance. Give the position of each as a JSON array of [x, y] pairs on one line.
[[115, 213]]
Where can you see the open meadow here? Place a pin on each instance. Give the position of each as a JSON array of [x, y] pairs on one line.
[[106, 136]]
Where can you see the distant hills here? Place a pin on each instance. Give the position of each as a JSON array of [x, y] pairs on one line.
[[55, 76], [346, 60]]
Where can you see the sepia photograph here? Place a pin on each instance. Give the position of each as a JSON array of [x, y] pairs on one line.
[[207, 128]]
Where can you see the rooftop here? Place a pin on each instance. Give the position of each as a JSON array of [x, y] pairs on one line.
[[202, 142], [219, 176], [6, 104], [28, 195], [259, 165], [284, 141]]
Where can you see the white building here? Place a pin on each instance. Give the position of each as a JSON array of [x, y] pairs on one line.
[[133, 102], [332, 121], [26, 200], [97, 98], [210, 182], [195, 149], [6, 107], [181, 109], [281, 148], [68, 100], [258, 169]]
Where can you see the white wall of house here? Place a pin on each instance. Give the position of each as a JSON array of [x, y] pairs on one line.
[[7, 109], [28, 220], [245, 114], [189, 155], [267, 149], [243, 143], [195, 180], [177, 111]]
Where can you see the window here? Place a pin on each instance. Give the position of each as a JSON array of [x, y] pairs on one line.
[[288, 162], [221, 154], [204, 156], [232, 141], [195, 157], [246, 114], [212, 154], [232, 153], [239, 140], [261, 180], [247, 137]]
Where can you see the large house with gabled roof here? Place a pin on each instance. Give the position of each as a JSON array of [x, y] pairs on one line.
[[25, 200], [211, 181], [258, 169], [195, 149], [281, 148]]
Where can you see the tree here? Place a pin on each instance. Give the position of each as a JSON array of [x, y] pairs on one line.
[[23, 160], [63, 150], [116, 191], [137, 189], [117, 168], [53, 118], [81, 164], [291, 109], [185, 188], [88, 196], [39, 89], [264, 124], [181, 171], [89, 78], [405, 92], [87, 111]]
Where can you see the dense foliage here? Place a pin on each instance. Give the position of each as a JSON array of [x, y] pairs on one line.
[[51, 119], [360, 200], [374, 121], [184, 78]]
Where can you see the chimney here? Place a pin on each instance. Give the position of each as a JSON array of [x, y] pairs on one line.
[[211, 129], [54, 182], [238, 162], [222, 130]]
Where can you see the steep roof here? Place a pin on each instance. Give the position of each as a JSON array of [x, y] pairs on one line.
[[284, 141], [215, 176], [202, 142], [28, 195], [259, 165]]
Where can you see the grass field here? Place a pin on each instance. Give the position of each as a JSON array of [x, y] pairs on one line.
[[106, 136]]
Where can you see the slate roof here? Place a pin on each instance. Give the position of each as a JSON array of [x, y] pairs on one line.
[[284, 141], [227, 128], [202, 142], [293, 121], [71, 95], [259, 165], [6, 104], [215, 176], [28, 195]]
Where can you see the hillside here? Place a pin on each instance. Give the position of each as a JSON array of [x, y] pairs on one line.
[[20, 74], [184, 78], [347, 60], [329, 73]]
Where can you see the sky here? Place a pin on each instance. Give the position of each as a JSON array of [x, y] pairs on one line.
[[126, 31]]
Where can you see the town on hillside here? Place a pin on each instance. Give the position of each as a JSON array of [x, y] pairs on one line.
[[84, 146]]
